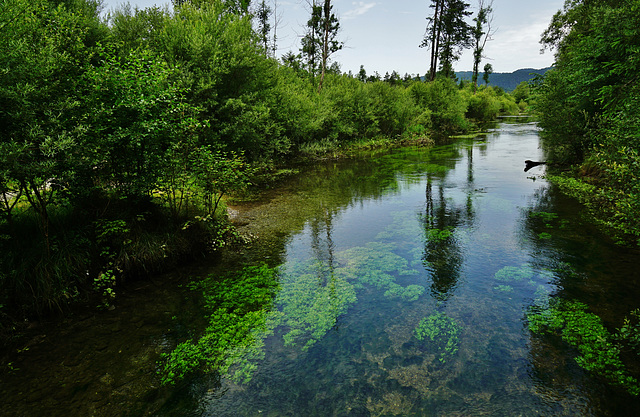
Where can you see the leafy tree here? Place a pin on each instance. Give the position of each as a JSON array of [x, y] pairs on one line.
[[137, 110], [137, 28], [320, 41], [362, 74], [589, 107], [311, 42], [481, 34], [488, 70], [42, 64], [522, 92], [263, 14], [447, 35]]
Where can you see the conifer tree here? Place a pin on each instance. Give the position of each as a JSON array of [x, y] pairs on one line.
[[447, 35]]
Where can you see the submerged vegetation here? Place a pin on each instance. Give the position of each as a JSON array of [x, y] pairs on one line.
[[600, 351], [239, 307], [441, 333], [304, 300]]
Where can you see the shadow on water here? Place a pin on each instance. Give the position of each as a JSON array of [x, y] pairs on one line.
[[404, 285]]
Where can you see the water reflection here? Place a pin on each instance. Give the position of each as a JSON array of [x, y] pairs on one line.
[[366, 250], [442, 252], [455, 220]]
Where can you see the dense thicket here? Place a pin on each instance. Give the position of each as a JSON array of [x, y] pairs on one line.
[[590, 108], [118, 139]]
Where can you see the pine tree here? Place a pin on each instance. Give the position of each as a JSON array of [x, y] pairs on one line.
[[447, 35]]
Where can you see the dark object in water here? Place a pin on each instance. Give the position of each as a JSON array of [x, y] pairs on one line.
[[530, 164]]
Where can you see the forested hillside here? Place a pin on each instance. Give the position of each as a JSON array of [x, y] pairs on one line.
[[508, 81], [590, 109], [120, 138]]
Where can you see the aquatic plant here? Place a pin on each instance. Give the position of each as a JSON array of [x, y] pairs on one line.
[[405, 226], [598, 350], [442, 333], [630, 331], [240, 319], [310, 301], [408, 293], [503, 288], [547, 218], [514, 273], [374, 256], [439, 235]]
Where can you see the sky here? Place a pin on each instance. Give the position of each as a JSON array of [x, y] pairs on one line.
[[383, 35]]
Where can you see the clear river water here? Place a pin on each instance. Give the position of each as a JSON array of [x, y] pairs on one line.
[[373, 253]]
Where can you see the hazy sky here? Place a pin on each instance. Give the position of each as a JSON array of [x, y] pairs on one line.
[[384, 35]]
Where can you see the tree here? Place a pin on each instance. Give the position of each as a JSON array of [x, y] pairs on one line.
[[481, 34], [310, 48], [433, 31], [362, 74], [330, 44], [239, 7], [40, 111], [276, 22], [263, 13], [320, 42], [447, 35], [488, 70]]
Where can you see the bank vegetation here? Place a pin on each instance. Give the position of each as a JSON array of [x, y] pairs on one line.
[[120, 136], [589, 107]]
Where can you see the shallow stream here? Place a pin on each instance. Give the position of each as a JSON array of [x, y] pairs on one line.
[[368, 249]]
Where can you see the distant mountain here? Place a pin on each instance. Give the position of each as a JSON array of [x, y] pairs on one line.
[[507, 80]]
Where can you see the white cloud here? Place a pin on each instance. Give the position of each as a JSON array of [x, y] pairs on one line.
[[360, 9]]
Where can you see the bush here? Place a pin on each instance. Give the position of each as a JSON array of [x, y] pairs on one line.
[[445, 105]]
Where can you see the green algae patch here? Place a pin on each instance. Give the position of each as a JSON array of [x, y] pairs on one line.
[[408, 293], [310, 302], [376, 265], [599, 351], [239, 306], [514, 273], [440, 334], [371, 260]]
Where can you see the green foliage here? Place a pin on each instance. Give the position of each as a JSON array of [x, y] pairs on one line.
[[439, 235], [164, 112], [629, 333], [447, 34], [588, 107], [239, 306], [311, 300], [522, 92], [445, 106], [442, 334], [597, 347], [547, 218]]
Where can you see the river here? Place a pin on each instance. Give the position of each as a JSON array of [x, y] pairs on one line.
[[373, 254]]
